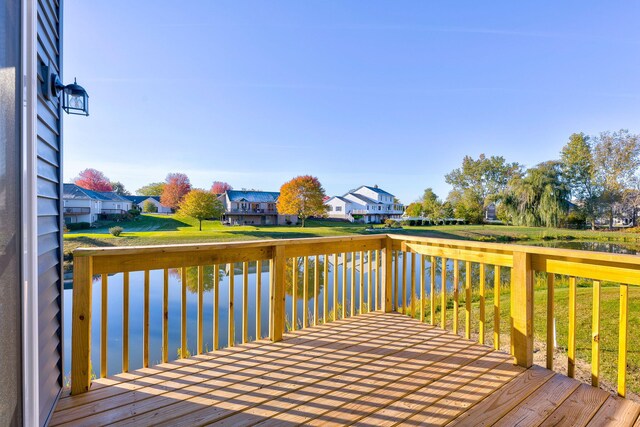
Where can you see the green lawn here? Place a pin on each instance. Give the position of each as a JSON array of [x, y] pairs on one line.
[[610, 300], [156, 229], [170, 229]]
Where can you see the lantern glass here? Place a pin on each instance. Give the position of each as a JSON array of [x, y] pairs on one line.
[[76, 100]]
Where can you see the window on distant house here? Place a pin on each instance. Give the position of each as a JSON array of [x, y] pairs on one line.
[[338, 208], [330, 208]]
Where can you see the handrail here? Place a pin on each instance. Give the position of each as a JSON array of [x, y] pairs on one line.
[[369, 280]]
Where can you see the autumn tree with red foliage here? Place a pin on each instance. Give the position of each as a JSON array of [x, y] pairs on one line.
[[302, 196], [177, 185], [220, 187], [92, 179]]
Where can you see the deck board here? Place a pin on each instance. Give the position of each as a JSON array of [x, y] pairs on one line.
[[374, 369]]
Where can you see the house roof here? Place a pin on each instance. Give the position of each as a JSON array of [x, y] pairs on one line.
[[252, 196], [363, 198], [72, 191], [375, 189], [139, 199], [339, 198]]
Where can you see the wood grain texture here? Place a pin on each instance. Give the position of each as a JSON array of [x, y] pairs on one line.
[[183, 313], [145, 319], [505, 398], [467, 301], [200, 321], [231, 326], [483, 302], [258, 300], [522, 309], [278, 285], [372, 369], [216, 306], [616, 411], [571, 332], [305, 292], [537, 407], [294, 302], [595, 335], [432, 288], [578, 408], [316, 290], [245, 302], [496, 307], [443, 295], [81, 325], [125, 324], [334, 312], [622, 340], [104, 317], [456, 303], [387, 282], [165, 316], [325, 290], [344, 285], [551, 319]]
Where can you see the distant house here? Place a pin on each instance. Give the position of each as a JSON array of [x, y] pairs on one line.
[[82, 205], [366, 204], [138, 201], [490, 212], [253, 208]]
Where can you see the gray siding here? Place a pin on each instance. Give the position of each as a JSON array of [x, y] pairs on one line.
[[10, 237], [49, 207]]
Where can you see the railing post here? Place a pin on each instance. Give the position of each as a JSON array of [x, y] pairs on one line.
[[522, 309], [277, 286], [387, 256], [81, 325]]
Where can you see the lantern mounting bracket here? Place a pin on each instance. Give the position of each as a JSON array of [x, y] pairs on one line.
[[52, 87]]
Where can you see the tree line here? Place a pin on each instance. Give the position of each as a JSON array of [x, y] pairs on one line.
[[302, 196], [595, 177]]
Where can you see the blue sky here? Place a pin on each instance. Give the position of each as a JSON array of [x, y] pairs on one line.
[[353, 92]]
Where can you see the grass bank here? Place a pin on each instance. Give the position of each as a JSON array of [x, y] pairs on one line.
[[609, 329], [155, 229]]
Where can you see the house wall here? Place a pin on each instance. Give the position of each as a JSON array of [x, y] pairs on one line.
[[11, 335], [337, 203], [369, 193], [356, 204], [161, 208], [116, 204], [49, 205], [94, 210]]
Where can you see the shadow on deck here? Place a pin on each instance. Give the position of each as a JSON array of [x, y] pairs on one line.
[[373, 369]]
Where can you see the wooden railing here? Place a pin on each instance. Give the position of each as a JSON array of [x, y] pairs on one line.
[[318, 280]]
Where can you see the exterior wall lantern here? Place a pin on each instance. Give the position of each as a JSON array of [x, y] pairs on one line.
[[75, 99]]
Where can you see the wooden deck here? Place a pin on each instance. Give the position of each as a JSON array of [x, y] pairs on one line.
[[373, 369]]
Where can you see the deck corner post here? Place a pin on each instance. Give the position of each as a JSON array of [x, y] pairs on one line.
[[522, 309], [277, 285], [81, 324], [387, 257]]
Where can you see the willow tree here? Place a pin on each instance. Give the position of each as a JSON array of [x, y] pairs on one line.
[[540, 198]]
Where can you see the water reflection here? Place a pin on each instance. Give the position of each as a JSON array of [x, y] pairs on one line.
[[592, 246]]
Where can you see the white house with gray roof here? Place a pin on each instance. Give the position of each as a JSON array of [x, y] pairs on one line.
[[253, 208], [82, 205], [365, 204]]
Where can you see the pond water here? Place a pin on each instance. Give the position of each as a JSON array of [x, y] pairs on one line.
[[136, 280], [136, 287], [585, 245]]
